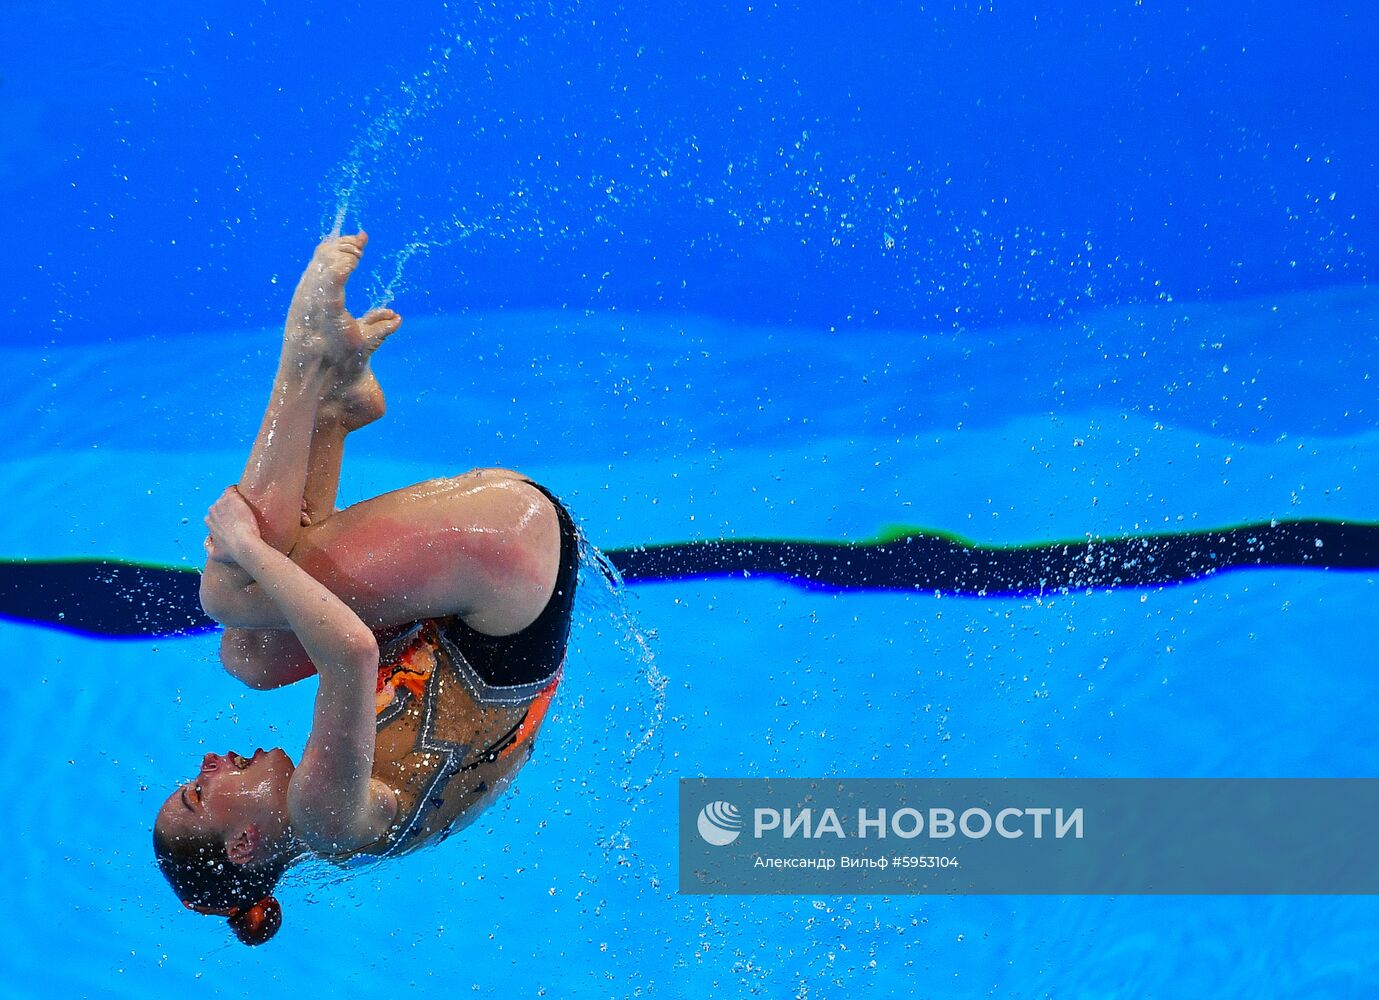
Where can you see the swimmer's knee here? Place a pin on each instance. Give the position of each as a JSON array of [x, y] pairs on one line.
[[249, 656], [255, 680], [248, 672]]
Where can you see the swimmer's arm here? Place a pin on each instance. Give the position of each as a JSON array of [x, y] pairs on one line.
[[229, 593], [231, 597], [334, 803]]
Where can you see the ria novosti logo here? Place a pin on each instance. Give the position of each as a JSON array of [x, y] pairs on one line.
[[720, 823]]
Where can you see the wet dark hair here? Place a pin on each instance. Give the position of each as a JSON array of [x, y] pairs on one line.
[[207, 881]]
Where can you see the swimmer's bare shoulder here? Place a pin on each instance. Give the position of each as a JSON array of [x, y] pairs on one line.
[[329, 830]]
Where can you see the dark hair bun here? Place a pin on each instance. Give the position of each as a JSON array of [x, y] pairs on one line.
[[258, 923]]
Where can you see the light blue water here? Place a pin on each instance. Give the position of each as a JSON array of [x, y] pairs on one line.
[[661, 428]]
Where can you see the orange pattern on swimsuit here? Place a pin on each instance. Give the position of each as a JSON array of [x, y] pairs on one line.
[[442, 746], [535, 713], [410, 671]]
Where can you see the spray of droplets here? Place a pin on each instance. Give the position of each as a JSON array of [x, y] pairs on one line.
[[610, 598], [384, 136]]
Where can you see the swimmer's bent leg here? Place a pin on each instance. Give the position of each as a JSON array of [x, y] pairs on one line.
[[271, 658], [264, 658], [324, 388], [484, 546]]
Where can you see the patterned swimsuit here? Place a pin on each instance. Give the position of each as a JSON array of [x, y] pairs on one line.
[[458, 710]]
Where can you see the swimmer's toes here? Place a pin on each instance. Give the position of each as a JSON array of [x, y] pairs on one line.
[[379, 324], [340, 255]]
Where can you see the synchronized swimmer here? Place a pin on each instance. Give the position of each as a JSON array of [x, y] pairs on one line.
[[436, 617]]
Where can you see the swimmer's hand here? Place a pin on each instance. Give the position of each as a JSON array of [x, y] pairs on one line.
[[232, 527]]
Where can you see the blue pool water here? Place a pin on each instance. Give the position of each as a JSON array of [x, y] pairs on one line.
[[731, 273]]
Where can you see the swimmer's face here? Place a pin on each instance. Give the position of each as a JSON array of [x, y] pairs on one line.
[[229, 795]]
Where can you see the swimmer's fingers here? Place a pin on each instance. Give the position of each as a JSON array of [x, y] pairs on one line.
[[232, 523], [216, 554]]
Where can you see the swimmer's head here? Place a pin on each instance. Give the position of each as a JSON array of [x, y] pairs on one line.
[[222, 840]]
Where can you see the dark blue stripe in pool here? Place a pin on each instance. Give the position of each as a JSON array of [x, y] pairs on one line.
[[126, 600], [930, 561]]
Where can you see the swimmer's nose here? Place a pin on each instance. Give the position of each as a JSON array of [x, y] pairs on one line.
[[209, 762]]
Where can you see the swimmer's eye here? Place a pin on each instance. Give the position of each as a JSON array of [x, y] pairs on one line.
[[196, 790]]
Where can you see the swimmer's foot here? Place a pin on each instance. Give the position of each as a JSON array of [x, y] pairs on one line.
[[355, 405], [376, 326], [355, 397], [320, 331]]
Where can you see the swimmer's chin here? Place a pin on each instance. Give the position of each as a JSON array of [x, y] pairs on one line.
[[279, 753], [275, 758]]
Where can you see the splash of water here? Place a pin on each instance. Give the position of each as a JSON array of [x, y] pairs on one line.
[[453, 231], [423, 93], [632, 733], [611, 596]]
